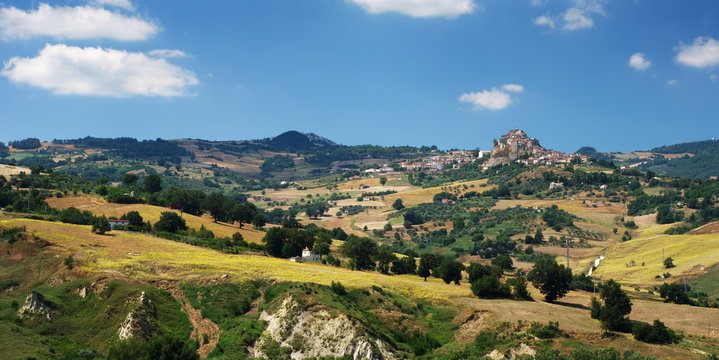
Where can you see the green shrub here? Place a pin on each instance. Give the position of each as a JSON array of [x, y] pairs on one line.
[[657, 333], [549, 331], [338, 288]]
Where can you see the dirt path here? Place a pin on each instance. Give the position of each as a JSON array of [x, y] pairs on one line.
[[200, 325]]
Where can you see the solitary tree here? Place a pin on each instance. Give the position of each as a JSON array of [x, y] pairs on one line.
[[170, 222], [101, 225], [361, 251], [451, 270], [398, 205], [218, 206], [382, 180], [134, 218], [385, 257], [552, 280], [426, 264], [613, 308]]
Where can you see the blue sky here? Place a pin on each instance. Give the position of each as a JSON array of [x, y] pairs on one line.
[[616, 75]]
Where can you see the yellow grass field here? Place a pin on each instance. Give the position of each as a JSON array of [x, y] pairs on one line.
[[603, 215], [691, 254], [143, 257], [419, 196], [146, 257], [99, 206], [8, 170]]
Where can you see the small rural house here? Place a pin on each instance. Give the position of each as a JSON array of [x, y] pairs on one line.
[[307, 255], [116, 222]]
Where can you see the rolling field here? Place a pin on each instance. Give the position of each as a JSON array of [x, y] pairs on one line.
[[8, 170], [603, 215], [144, 257], [99, 206], [418, 196], [692, 254]]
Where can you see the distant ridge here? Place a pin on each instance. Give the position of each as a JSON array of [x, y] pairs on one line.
[[295, 140], [320, 140]]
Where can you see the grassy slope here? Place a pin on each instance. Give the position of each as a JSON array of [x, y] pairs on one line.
[[99, 206], [415, 197], [77, 323], [173, 260], [687, 251], [708, 283], [159, 258]]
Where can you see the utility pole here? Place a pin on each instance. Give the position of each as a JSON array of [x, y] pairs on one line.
[[568, 241]]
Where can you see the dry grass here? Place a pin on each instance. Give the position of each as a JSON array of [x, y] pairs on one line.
[[690, 252], [158, 258], [710, 228], [144, 257], [99, 206], [9, 170], [419, 196], [583, 207]]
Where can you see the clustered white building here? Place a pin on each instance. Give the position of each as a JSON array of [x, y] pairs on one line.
[[551, 157], [433, 163]]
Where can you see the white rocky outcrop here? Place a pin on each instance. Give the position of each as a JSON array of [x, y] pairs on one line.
[[521, 349], [139, 323], [315, 332], [34, 305]]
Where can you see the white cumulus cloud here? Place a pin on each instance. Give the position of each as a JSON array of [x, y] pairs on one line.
[[672, 82], [79, 22], [493, 99], [577, 17], [71, 70], [544, 20], [419, 8], [702, 53], [513, 88], [167, 53], [125, 4], [639, 61]]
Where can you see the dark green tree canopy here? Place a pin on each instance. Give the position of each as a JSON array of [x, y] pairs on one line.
[[152, 183], [170, 222], [552, 280], [613, 307], [361, 251]]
